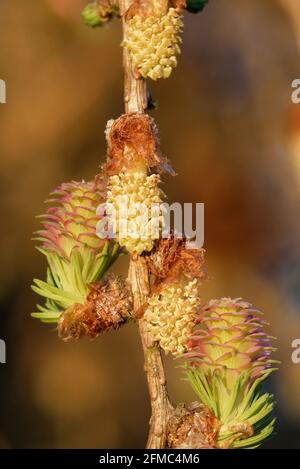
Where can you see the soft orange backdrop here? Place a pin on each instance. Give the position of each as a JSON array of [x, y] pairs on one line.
[[228, 125]]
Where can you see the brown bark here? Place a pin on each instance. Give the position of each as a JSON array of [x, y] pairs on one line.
[[135, 87], [135, 97], [160, 404], [196, 429]]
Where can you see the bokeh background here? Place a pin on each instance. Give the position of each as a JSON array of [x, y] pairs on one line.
[[233, 135]]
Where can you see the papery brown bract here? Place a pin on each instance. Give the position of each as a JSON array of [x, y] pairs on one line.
[[195, 428], [171, 260], [133, 142], [107, 307]]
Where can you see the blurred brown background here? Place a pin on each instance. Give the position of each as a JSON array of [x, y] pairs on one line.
[[228, 125]]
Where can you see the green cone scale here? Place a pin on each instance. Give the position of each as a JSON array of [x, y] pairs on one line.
[[228, 359], [76, 256]]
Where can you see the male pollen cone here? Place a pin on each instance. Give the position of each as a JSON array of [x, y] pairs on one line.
[[153, 41], [172, 309]]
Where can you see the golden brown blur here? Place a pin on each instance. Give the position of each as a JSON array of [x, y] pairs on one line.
[[228, 125]]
